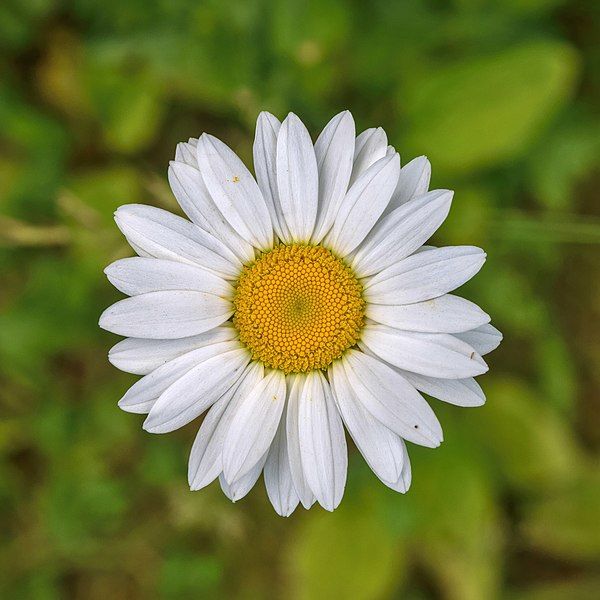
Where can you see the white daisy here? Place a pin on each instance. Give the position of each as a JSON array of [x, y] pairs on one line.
[[294, 304]]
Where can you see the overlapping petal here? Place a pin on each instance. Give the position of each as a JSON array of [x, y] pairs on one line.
[[234, 191], [297, 179]]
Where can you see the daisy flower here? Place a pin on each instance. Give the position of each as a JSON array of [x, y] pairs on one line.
[[294, 306]]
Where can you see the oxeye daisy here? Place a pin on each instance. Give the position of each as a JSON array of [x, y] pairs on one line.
[[294, 306]]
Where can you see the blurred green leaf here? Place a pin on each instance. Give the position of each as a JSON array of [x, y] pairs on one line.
[[488, 110], [531, 442], [566, 524], [129, 105], [562, 158], [347, 554], [190, 575], [458, 538]]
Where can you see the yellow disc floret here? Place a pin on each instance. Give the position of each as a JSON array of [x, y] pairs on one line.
[[298, 308]]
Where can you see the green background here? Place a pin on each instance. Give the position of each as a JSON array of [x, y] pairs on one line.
[[502, 97]]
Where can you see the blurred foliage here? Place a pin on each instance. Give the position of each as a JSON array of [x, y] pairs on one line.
[[501, 94]]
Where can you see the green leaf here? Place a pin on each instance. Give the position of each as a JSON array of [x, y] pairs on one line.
[[190, 576], [530, 441], [562, 160], [488, 110], [347, 554], [458, 539], [129, 105], [566, 524]]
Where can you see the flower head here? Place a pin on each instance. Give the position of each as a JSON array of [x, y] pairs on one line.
[[296, 304]]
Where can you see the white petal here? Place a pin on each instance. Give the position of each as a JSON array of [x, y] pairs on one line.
[[237, 489], [413, 181], [424, 275], [193, 197], [140, 356], [205, 464], [363, 205], [142, 396], [161, 234], [446, 314], [234, 191], [278, 477], [134, 276], [402, 232], [307, 498], [189, 396], [185, 152], [391, 399], [206, 457], [253, 426], [166, 315], [322, 443], [405, 479], [334, 150], [484, 339], [434, 354], [297, 179], [370, 146], [265, 166], [380, 447], [461, 392]]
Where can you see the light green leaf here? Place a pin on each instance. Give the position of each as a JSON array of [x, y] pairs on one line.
[[459, 538], [530, 441], [566, 524], [485, 111], [347, 554]]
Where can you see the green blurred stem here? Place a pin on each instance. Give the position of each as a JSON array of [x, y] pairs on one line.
[[567, 228], [19, 233]]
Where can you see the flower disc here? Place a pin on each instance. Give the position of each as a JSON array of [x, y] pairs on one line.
[[298, 307]]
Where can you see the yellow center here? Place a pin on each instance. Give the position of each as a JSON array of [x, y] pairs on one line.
[[298, 308]]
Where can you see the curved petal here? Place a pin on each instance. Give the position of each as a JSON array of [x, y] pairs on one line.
[[297, 179], [265, 166], [484, 338], [433, 354], [199, 388], [323, 445], [166, 315], [405, 479], [391, 399], [370, 146], [307, 498], [206, 457], [334, 150], [460, 392], [234, 191], [253, 426], [413, 181], [237, 489], [161, 234], [402, 232], [278, 477], [363, 205], [142, 395], [185, 152], [193, 197], [137, 275], [141, 356], [380, 447], [425, 275], [446, 314]]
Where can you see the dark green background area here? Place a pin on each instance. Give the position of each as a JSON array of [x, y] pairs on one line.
[[502, 95]]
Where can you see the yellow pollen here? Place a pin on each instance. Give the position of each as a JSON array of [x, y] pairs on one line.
[[298, 308]]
